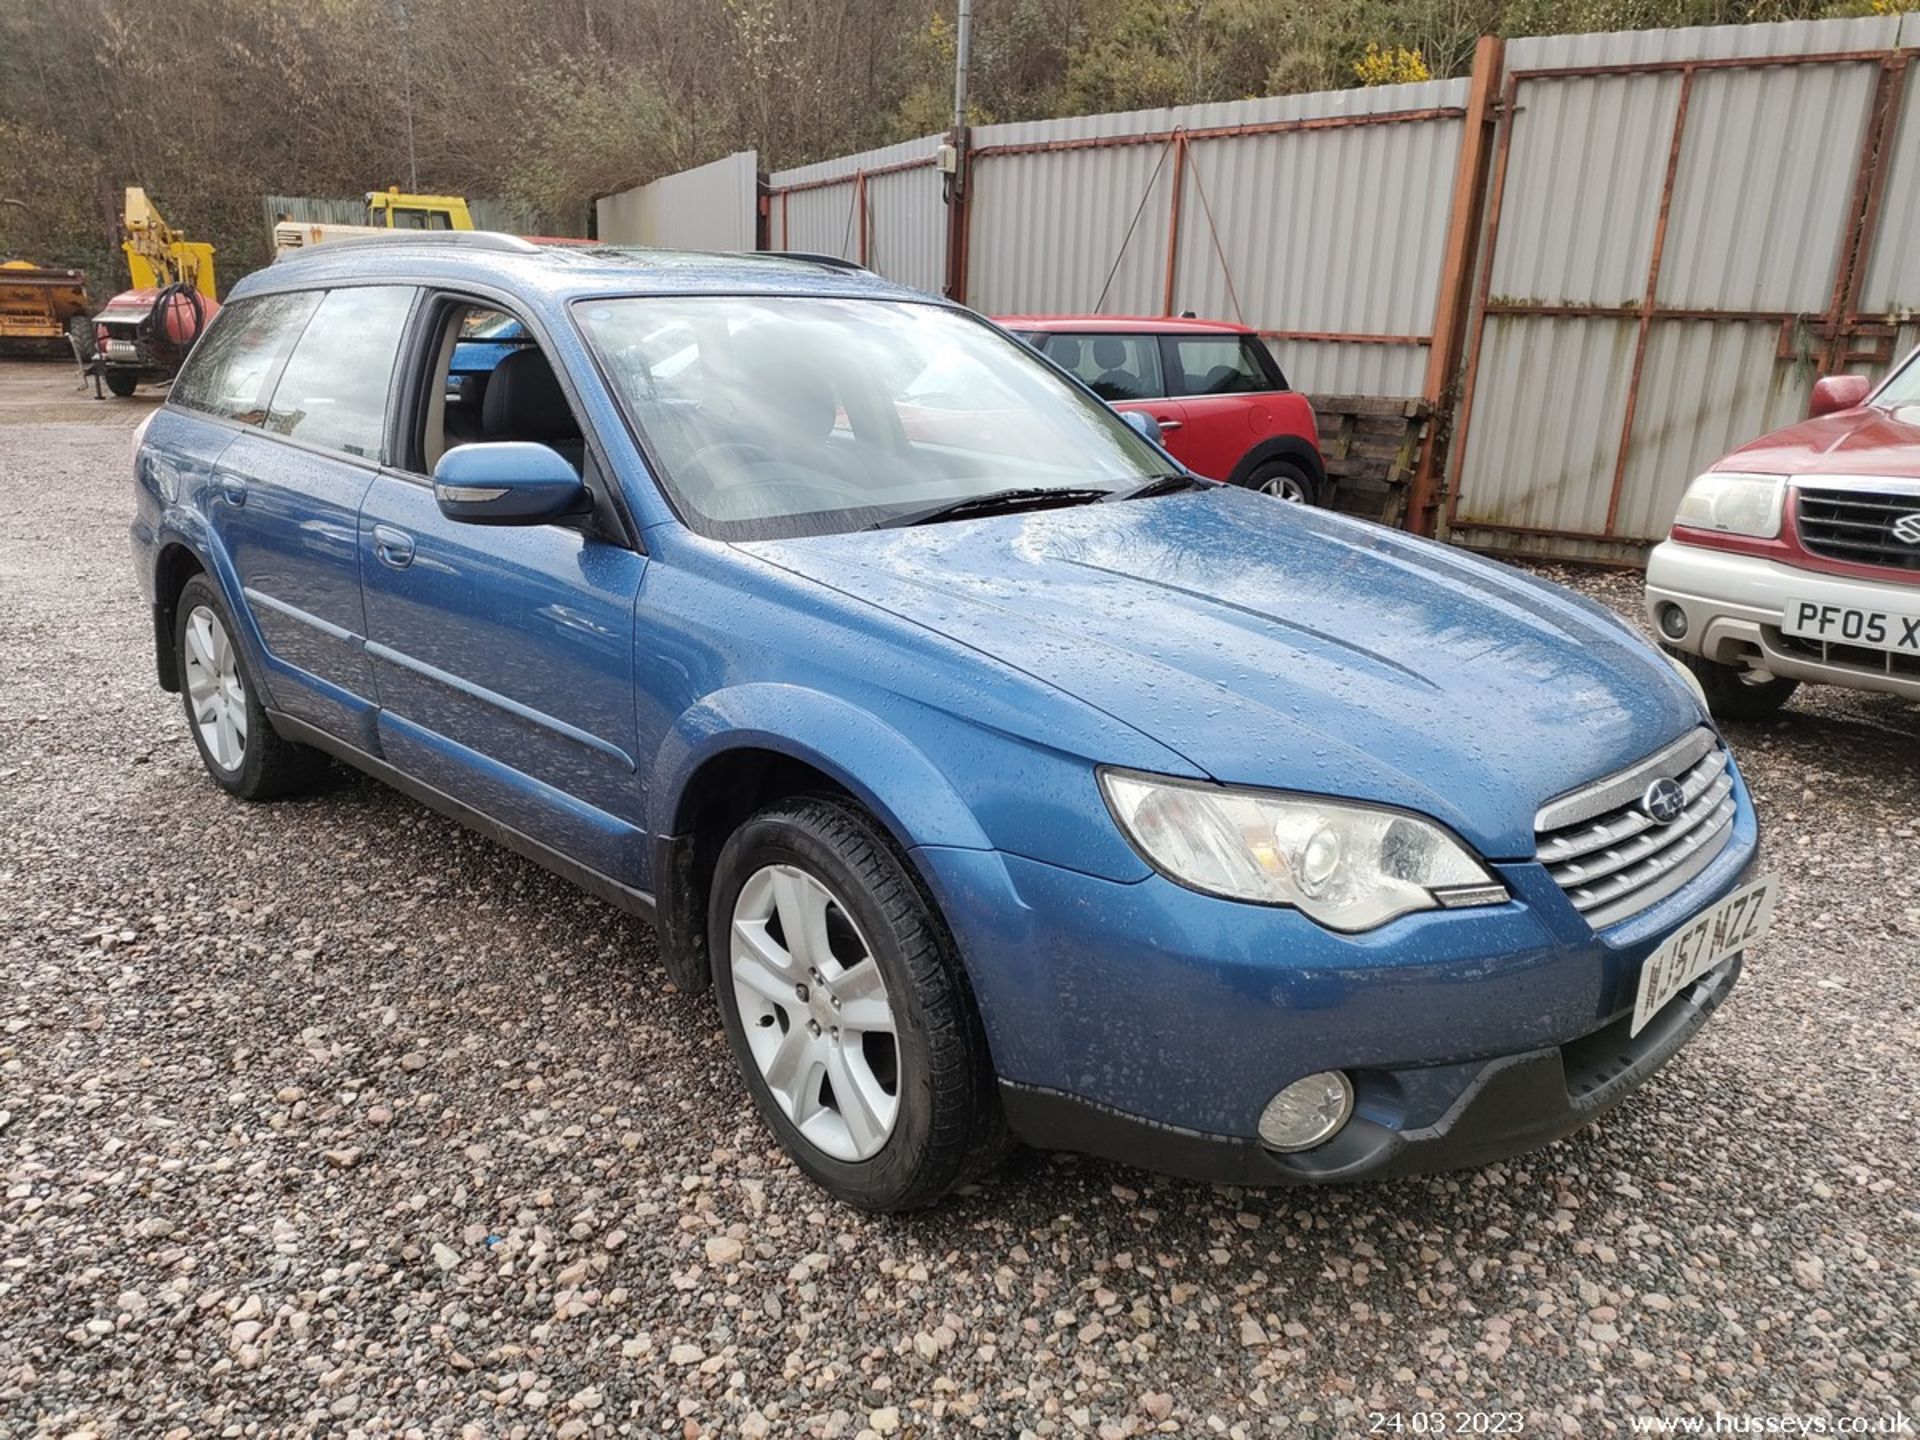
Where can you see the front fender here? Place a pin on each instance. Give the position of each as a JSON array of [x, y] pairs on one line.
[[875, 763], [884, 770]]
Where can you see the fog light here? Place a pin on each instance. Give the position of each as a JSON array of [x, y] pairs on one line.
[[1673, 622], [1307, 1113]]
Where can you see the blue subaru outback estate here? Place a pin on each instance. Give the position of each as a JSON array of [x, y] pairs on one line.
[[1005, 780]]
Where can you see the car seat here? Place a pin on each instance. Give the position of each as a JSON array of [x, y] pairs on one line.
[[1116, 382], [524, 401]]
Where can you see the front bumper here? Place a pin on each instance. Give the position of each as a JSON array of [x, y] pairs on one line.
[[1152, 1024], [1734, 604], [1510, 1104]]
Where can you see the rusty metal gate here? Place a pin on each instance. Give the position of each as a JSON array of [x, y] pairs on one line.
[[1674, 248]]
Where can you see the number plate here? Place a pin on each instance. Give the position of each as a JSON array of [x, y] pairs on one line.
[[1852, 625], [1722, 929]]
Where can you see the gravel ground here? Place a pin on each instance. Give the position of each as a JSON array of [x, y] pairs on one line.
[[329, 1118]]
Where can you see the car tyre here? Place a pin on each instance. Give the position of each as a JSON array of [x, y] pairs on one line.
[[121, 383], [823, 864], [1732, 692], [1285, 480], [225, 716]]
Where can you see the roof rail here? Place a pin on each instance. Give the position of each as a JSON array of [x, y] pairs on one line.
[[838, 262], [494, 240]]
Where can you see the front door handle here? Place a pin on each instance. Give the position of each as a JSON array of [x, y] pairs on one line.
[[233, 488], [394, 547], [1168, 424]]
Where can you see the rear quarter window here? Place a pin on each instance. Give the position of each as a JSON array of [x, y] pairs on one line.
[[232, 367], [1223, 365]]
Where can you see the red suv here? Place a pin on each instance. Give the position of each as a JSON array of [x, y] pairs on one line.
[[1222, 404], [1797, 557]]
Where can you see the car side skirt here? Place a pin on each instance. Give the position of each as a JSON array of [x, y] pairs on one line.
[[601, 887]]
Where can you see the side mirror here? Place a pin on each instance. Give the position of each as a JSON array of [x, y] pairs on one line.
[[1838, 392], [1148, 427], [507, 482]]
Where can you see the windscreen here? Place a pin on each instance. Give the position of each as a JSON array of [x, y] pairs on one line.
[[1903, 390], [770, 416]]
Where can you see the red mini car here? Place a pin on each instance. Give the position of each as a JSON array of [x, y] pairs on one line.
[[1223, 406]]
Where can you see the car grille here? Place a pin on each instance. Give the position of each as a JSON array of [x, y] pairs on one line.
[[1611, 858], [1857, 525]]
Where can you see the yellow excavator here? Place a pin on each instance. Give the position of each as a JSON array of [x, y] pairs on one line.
[[144, 333]]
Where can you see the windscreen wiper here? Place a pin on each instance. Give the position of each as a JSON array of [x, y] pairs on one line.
[[994, 502], [1168, 484]]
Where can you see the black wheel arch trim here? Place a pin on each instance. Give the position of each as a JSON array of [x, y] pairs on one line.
[[1282, 447]]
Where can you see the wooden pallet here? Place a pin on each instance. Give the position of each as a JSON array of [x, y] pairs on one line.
[[1371, 444]]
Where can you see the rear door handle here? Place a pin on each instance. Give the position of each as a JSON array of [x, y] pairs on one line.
[[233, 488], [1168, 424], [394, 547]]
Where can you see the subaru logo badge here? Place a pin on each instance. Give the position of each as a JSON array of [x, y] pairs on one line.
[[1907, 529], [1664, 801]]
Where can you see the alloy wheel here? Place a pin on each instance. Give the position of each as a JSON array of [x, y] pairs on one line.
[[214, 686], [816, 1013], [1285, 487]]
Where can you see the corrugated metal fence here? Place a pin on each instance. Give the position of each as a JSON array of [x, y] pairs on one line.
[[1232, 211], [1685, 228], [713, 207], [1599, 263], [884, 208]]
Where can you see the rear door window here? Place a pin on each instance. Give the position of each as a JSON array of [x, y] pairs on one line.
[[1114, 367], [336, 386], [232, 369], [1218, 365]]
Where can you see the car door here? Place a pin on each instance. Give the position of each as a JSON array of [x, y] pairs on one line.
[[1221, 381], [285, 495], [1126, 371], [503, 655]]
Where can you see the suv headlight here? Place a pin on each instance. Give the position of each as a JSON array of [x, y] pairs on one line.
[[1734, 504], [1346, 866]]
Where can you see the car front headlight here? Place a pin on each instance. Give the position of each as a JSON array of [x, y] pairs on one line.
[[1345, 866], [1734, 504]]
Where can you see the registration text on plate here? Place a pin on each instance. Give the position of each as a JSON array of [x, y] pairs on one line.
[[1852, 625], [1722, 929]]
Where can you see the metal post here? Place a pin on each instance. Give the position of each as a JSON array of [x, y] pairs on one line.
[[1496, 194], [962, 53], [860, 212], [1445, 357], [1863, 212], [958, 181], [406, 84], [1173, 218]]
